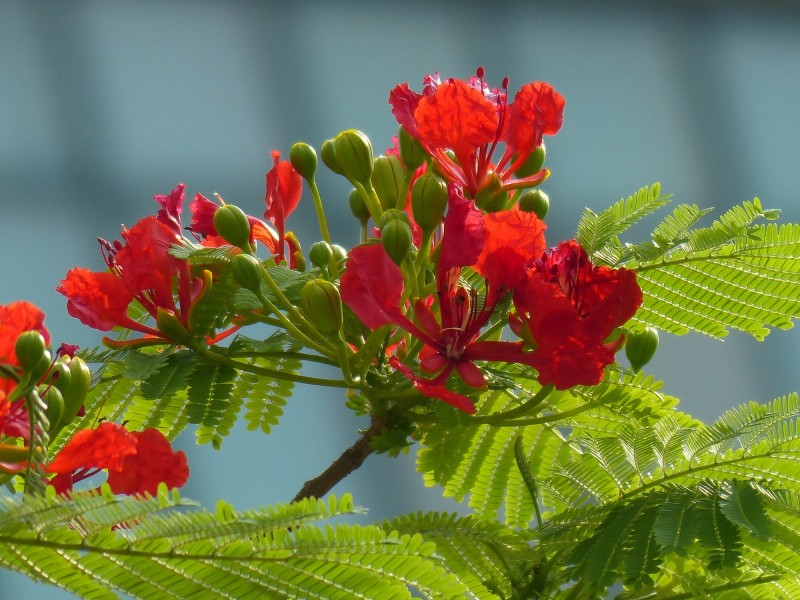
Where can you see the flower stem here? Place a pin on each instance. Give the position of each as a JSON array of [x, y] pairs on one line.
[[350, 460], [275, 374], [502, 418]]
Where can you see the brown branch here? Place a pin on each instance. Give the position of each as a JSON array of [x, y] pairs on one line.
[[350, 460]]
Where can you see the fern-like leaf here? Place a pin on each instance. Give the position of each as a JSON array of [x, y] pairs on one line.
[[97, 545]]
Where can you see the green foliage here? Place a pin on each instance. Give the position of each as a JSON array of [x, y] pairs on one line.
[[96, 546], [735, 273]]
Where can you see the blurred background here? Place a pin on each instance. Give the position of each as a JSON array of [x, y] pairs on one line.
[[104, 104]]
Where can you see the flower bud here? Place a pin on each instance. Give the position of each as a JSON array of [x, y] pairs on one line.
[[411, 151], [246, 269], [396, 235], [429, 201], [534, 162], [358, 207], [297, 262], [54, 410], [231, 223], [171, 326], [328, 153], [354, 155], [641, 347], [491, 196], [535, 201], [387, 180], [73, 381], [339, 253], [322, 305], [320, 254], [30, 348], [74, 391], [304, 160]]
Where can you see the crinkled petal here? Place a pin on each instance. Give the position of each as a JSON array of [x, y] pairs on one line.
[[103, 448], [404, 102], [458, 117], [15, 319], [99, 300], [537, 110], [513, 240], [154, 462]]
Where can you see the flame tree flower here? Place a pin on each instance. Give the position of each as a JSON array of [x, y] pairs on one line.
[[567, 309], [499, 246], [136, 462], [140, 269], [471, 121]]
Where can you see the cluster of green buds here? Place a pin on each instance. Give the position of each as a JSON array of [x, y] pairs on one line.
[[61, 385]]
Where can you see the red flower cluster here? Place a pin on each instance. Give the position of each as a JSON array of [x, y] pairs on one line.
[[470, 120], [136, 462]]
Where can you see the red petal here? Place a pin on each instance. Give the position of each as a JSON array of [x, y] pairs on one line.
[[103, 448], [16, 318], [372, 286], [99, 300], [145, 262], [464, 231], [537, 109], [404, 102], [203, 211], [154, 462], [458, 117], [513, 240], [284, 188]]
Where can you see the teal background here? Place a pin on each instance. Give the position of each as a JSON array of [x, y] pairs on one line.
[[104, 104]]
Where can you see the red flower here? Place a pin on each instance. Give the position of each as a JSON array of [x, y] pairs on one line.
[[154, 462], [16, 318], [141, 269], [470, 120], [567, 309], [136, 461], [372, 287], [284, 188]]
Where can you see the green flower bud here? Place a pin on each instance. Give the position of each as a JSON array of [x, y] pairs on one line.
[[411, 151], [231, 223], [358, 207], [339, 253], [322, 305], [74, 392], [354, 155], [328, 153], [54, 410], [429, 201], [393, 214], [246, 269], [533, 164], [320, 254], [387, 180], [491, 196], [30, 348], [171, 326], [304, 160], [535, 201], [641, 347], [396, 238]]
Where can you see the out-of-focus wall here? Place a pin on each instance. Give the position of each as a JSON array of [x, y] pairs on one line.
[[103, 104]]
